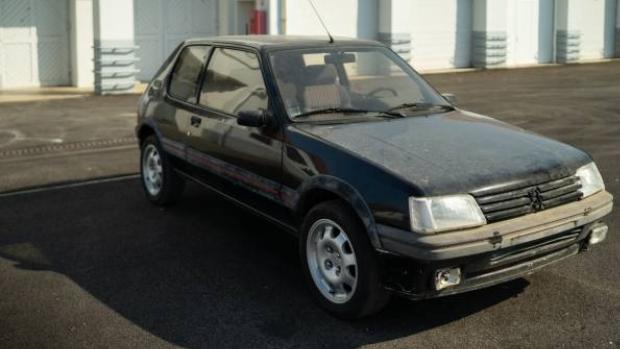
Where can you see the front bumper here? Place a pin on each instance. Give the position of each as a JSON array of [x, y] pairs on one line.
[[490, 254]]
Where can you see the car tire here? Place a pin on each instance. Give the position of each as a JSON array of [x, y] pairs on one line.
[[339, 263], [161, 184]]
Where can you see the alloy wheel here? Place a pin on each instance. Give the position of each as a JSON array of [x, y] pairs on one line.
[[152, 171], [331, 260]]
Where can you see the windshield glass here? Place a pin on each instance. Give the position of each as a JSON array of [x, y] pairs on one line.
[[335, 83]]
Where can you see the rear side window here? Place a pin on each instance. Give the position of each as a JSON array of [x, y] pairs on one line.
[[184, 83], [233, 82]]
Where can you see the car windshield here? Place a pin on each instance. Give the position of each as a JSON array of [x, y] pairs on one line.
[[329, 84]]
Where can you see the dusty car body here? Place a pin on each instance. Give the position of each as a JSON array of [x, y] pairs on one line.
[[390, 191]]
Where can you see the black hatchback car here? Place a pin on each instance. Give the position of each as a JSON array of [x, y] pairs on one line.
[[390, 188]]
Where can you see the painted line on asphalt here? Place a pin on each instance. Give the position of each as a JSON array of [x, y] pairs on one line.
[[64, 147], [70, 185], [68, 153]]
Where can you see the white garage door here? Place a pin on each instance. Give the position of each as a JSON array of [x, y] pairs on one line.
[[530, 32], [34, 43], [441, 34], [522, 32], [592, 28], [162, 24]]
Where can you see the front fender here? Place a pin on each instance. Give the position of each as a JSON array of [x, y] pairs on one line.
[[347, 193]]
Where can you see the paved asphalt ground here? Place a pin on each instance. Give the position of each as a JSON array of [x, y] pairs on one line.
[[97, 266]]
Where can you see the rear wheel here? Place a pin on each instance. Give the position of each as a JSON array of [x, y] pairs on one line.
[[339, 262], [161, 184]]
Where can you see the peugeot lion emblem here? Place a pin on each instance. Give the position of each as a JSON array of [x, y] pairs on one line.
[[536, 199]]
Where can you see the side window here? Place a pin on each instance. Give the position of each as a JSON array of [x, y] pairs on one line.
[[184, 83], [233, 82]]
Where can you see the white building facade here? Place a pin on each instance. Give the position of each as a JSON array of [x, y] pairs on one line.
[[110, 44]]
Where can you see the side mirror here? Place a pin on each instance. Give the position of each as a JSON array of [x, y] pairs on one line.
[[450, 97], [157, 84], [254, 118], [155, 88]]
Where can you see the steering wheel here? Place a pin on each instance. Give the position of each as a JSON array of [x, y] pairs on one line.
[[381, 89]]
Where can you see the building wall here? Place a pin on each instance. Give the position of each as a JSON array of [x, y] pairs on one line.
[[352, 18], [161, 25], [82, 38], [611, 9], [546, 31], [617, 30], [441, 33], [38, 47], [114, 46], [529, 32], [584, 29], [592, 27], [34, 43]]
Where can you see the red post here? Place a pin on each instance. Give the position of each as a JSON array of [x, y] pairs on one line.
[[258, 24]]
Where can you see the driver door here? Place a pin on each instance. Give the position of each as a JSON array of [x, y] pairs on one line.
[[244, 162]]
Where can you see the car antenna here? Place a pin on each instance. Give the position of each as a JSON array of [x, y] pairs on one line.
[[331, 38]]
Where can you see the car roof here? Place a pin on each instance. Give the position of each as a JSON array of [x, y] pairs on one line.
[[269, 42]]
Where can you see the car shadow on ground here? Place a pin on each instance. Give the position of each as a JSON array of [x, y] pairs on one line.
[[200, 273]]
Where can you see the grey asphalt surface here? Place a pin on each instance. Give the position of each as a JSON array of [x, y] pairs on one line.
[[98, 266], [53, 141]]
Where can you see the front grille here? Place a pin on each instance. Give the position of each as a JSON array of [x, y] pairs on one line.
[[501, 204]]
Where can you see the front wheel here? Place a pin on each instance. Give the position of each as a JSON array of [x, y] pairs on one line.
[[339, 262]]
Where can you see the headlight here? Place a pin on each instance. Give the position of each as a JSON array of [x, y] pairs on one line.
[[591, 180], [441, 213]]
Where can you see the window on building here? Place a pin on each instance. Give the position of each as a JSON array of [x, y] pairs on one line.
[[233, 82], [186, 74]]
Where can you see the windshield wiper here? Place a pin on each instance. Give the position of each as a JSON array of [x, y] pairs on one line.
[[388, 113], [403, 106], [333, 111], [419, 106]]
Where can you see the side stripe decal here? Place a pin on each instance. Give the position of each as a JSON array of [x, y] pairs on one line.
[[250, 180]]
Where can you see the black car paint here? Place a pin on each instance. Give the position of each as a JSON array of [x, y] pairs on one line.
[[374, 166], [454, 152]]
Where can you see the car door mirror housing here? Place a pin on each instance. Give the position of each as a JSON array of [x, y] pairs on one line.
[[450, 97], [254, 118]]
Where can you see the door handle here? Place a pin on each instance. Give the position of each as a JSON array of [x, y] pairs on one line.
[[195, 121]]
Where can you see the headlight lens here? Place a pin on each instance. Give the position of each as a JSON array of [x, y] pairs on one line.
[[591, 180], [441, 213]]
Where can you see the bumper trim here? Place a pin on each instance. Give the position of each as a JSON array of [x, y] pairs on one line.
[[498, 276], [495, 236]]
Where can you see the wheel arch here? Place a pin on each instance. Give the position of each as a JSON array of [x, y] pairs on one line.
[[143, 132], [145, 129], [325, 188]]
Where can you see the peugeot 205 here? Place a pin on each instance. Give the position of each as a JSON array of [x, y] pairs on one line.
[[390, 188]]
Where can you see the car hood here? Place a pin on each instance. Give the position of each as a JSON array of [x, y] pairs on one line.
[[454, 152]]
